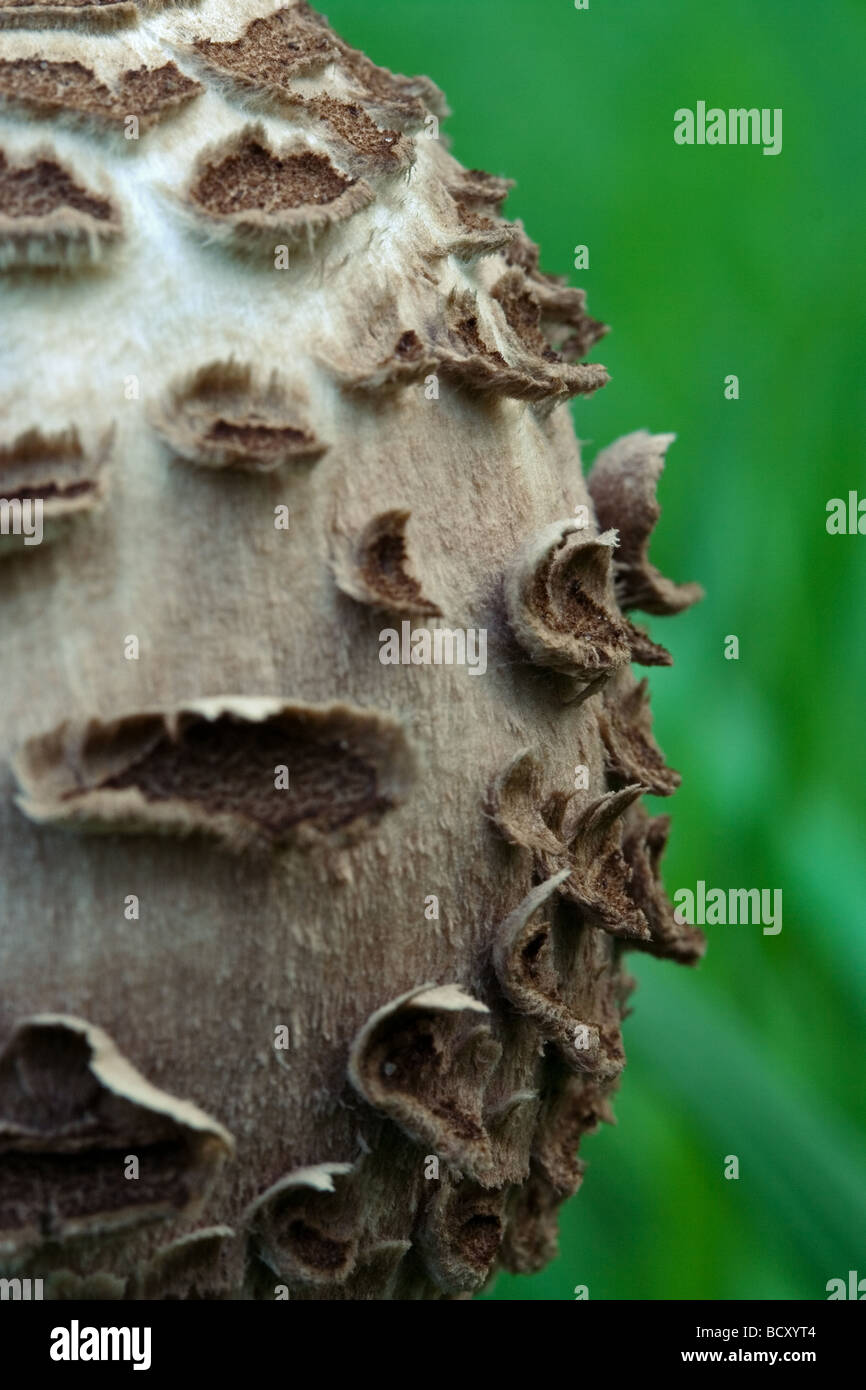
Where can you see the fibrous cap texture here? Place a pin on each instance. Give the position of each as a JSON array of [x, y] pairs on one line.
[[322, 758]]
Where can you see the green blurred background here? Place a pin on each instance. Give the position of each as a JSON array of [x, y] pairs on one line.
[[706, 262]]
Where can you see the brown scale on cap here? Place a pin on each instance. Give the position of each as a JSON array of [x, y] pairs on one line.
[[291, 42], [36, 190], [623, 483], [351, 122], [477, 198], [370, 148], [645, 838], [576, 846], [523, 313], [515, 804], [71, 1107], [295, 42], [56, 470], [252, 177], [625, 723], [211, 768], [68, 14], [511, 1123], [221, 418], [404, 100], [479, 235], [69, 88], [232, 774], [569, 1113], [251, 192], [528, 962], [470, 362], [456, 344], [567, 329], [644, 651], [374, 568], [598, 884], [560, 606], [48, 218], [403, 362], [306, 1226], [461, 1234], [424, 1061], [531, 1236], [477, 188], [53, 467], [602, 859]]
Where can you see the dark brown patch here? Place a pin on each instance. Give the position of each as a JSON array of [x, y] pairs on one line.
[[485, 235], [218, 771], [229, 767], [515, 805], [315, 1249], [48, 219], [374, 568], [560, 607], [254, 178], [69, 87], [407, 362], [351, 123], [289, 43], [295, 42], [409, 347], [476, 197], [522, 252], [36, 190], [549, 321], [264, 443], [384, 567], [600, 876], [413, 1058], [404, 99], [572, 1109], [566, 328]]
